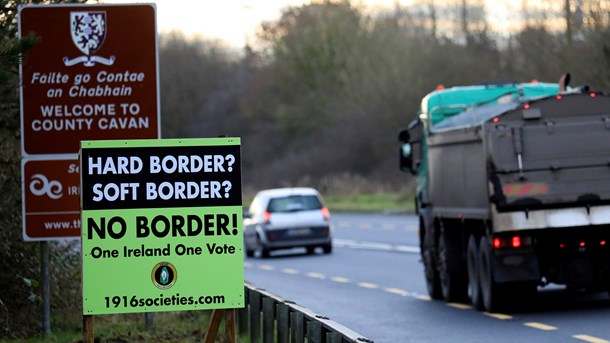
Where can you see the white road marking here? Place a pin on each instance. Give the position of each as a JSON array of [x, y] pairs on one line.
[[397, 291], [340, 279], [316, 276], [345, 243], [290, 271]]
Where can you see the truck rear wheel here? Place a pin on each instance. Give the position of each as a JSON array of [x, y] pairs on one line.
[[454, 284], [472, 260], [490, 290]]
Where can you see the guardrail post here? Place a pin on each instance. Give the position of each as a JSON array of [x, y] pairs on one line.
[[334, 337], [283, 321], [268, 319], [255, 316], [242, 314], [314, 332], [297, 327]]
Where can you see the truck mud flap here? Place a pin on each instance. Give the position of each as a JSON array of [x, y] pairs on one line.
[[511, 267]]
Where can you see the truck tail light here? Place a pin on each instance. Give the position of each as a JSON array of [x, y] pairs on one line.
[[515, 242]]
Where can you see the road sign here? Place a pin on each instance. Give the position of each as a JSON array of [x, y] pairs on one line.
[[92, 75], [162, 225], [51, 199]]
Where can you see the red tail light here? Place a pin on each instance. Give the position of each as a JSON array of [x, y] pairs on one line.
[[325, 213], [602, 243], [516, 241], [267, 218]]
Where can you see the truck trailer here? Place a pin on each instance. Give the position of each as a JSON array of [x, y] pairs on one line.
[[513, 190]]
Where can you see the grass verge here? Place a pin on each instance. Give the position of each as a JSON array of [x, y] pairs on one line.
[[168, 327], [378, 202]]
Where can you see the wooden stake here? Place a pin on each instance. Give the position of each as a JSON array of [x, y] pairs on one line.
[[230, 325], [212, 332], [88, 335]]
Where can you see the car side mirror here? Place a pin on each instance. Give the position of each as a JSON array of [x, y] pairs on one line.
[[404, 136]]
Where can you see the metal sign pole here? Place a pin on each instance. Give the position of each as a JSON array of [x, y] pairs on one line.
[[46, 287]]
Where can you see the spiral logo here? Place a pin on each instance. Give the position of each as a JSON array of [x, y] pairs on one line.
[[40, 186]]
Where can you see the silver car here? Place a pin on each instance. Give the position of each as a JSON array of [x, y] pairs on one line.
[[284, 218]]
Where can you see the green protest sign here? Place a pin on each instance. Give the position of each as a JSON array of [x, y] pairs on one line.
[[162, 225]]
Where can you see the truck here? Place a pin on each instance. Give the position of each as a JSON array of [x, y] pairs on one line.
[[512, 190]]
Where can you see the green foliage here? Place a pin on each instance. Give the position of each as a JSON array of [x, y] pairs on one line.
[[168, 327], [19, 261], [376, 202], [199, 87]]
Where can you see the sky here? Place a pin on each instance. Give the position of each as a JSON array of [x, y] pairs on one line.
[[233, 21]]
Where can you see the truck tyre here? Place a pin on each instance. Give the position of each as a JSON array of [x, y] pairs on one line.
[[490, 290], [433, 283], [454, 284], [472, 261]]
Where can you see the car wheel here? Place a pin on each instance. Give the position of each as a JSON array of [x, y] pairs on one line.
[[327, 248], [311, 250], [249, 253], [472, 259], [260, 246]]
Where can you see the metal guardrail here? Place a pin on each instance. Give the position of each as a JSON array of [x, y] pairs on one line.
[[274, 319]]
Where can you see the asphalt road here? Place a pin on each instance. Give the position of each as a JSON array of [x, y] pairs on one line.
[[373, 284]]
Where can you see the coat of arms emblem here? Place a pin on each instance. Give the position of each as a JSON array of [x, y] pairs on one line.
[[88, 30]]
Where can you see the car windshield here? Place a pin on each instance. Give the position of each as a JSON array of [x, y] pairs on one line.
[[294, 203]]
